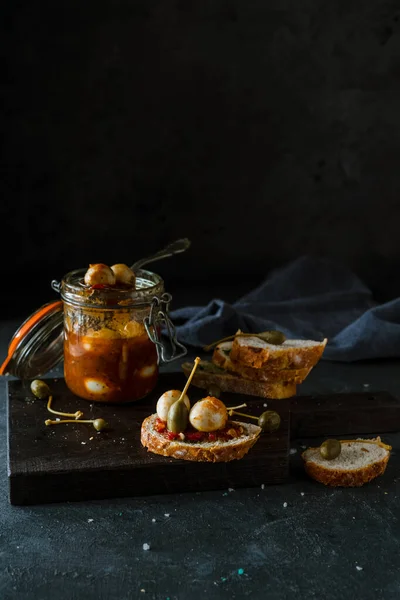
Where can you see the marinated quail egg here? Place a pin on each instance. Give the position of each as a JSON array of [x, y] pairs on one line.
[[99, 274], [96, 386], [167, 400], [123, 274], [208, 414]]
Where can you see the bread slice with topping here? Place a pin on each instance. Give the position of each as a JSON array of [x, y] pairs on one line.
[[208, 373], [291, 354], [222, 358], [218, 451], [359, 462]]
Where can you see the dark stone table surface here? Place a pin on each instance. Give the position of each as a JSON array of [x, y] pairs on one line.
[[297, 540]]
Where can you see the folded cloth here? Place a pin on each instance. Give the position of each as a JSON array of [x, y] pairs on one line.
[[310, 298]]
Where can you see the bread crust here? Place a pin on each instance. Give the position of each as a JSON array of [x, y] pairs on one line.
[[219, 452], [280, 357], [344, 477], [266, 374], [235, 384]]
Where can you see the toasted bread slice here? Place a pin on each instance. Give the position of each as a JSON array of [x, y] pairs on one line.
[[292, 354], [208, 373], [359, 462], [199, 451], [221, 357]]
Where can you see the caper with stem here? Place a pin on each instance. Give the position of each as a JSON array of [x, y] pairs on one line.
[[40, 389], [268, 421], [330, 449], [98, 424], [178, 414], [178, 417]]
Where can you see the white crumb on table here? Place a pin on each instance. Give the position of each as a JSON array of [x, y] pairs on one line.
[[285, 505], [359, 568], [146, 546], [90, 520], [366, 384], [301, 493], [83, 443], [265, 405], [153, 520], [166, 514], [58, 419], [293, 451], [262, 486], [231, 490]]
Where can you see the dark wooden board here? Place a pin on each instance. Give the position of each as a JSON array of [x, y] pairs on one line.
[[62, 462]]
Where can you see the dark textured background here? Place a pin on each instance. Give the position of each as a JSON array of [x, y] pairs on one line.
[[262, 131]]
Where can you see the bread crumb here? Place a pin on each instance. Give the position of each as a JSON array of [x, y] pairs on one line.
[[262, 486], [265, 405], [143, 590], [301, 493], [146, 546], [166, 514], [90, 520], [284, 504], [293, 451], [90, 439], [366, 384], [58, 419], [83, 443], [231, 490], [359, 568], [153, 520]]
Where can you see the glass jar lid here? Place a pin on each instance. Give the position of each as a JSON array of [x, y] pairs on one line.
[[38, 344]]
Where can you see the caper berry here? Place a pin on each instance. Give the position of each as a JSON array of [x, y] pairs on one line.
[[214, 390], [178, 417], [100, 424], [40, 389], [330, 449], [269, 421], [272, 337]]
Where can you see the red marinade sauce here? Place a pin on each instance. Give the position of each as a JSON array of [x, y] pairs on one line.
[[192, 435]]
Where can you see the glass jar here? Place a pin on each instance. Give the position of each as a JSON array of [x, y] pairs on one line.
[[110, 354], [110, 338]]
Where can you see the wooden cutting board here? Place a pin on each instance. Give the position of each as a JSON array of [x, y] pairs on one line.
[[73, 462]]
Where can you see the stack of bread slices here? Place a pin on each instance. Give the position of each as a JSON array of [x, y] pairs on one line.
[[250, 365]]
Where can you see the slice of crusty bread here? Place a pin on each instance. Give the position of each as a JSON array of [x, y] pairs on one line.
[[359, 462], [208, 373], [222, 358], [200, 451], [292, 354]]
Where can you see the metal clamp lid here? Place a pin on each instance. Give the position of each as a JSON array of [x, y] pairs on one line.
[[159, 315]]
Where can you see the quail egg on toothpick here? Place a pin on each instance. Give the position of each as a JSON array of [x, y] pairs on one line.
[[209, 414]]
